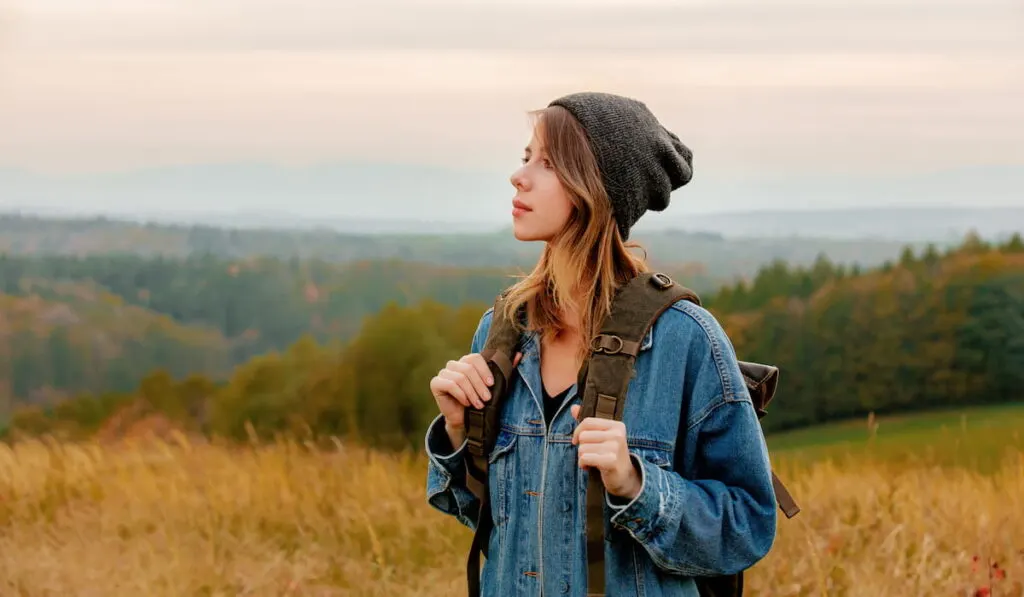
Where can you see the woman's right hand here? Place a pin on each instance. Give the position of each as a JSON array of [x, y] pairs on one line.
[[462, 383]]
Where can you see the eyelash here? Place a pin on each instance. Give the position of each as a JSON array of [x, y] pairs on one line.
[[547, 163]]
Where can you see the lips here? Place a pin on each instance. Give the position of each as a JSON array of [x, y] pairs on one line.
[[519, 205]]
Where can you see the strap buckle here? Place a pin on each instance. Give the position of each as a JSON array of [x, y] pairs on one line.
[[661, 280], [607, 344]]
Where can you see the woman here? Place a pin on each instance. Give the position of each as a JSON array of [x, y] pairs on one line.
[[686, 471]]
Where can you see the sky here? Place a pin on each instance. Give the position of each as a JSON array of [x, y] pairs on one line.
[[761, 90]]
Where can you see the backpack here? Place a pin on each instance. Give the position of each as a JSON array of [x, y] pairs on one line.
[[603, 381]]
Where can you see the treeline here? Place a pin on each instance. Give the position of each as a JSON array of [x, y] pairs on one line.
[[923, 332], [59, 339], [781, 279], [267, 302], [271, 302], [71, 333], [244, 309], [372, 390], [257, 305], [777, 279]]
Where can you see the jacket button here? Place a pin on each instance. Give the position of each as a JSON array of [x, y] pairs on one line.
[[565, 587], [566, 506]]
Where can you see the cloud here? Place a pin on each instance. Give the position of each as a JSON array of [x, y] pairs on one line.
[[786, 88], [734, 27]]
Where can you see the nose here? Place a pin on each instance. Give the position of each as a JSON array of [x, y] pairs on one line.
[[519, 180]]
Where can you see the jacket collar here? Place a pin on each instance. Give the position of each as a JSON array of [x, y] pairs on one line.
[[530, 342], [529, 366]]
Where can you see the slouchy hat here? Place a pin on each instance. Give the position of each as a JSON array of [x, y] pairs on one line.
[[641, 162]]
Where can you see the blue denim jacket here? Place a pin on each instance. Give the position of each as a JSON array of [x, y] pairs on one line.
[[706, 506]]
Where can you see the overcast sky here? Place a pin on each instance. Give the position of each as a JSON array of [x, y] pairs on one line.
[[780, 87]]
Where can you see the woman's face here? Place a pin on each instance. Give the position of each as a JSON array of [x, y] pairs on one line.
[[541, 206]]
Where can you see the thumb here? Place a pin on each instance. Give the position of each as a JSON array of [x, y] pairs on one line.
[[574, 410], [515, 361]]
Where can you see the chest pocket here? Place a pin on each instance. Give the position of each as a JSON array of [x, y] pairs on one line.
[[653, 452]]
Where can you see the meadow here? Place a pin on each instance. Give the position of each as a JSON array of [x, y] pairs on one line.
[[919, 505]]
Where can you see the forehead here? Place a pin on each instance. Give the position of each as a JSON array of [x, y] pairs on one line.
[[536, 144], [537, 136]]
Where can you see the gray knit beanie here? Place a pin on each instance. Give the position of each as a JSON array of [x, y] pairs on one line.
[[641, 162]]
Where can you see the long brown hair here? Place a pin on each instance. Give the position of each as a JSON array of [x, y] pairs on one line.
[[580, 269]]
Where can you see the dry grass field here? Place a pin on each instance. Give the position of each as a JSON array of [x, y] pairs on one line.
[[194, 519]]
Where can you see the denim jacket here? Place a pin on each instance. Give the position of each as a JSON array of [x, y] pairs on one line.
[[706, 504]]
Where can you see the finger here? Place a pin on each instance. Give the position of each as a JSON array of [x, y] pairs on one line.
[[465, 385], [515, 361], [479, 365], [600, 423], [587, 424], [594, 436], [609, 424], [447, 387], [613, 427], [474, 378], [598, 460], [580, 428], [452, 389], [463, 373]]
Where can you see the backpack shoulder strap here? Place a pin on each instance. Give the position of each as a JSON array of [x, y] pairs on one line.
[[482, 423], [635, 308], [482, 426]]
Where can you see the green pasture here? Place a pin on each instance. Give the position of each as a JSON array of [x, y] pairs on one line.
[[979, 438]]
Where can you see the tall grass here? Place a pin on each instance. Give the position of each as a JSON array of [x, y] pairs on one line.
[[188, 519]]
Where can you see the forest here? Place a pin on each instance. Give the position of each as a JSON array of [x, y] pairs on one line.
[[269, 346]]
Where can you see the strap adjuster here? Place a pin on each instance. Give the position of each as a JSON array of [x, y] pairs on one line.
[[607, 344]]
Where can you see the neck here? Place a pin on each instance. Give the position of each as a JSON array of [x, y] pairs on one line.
[[572, 320]]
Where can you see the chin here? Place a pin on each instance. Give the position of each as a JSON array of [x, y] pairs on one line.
[[526, 235]]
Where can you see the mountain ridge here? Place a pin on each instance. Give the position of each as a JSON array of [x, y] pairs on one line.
[[398, 198], [903, 223]]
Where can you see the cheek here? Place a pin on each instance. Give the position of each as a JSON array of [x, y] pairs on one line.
[[555, 198]]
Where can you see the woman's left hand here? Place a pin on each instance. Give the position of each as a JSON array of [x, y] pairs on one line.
[[602, 445]]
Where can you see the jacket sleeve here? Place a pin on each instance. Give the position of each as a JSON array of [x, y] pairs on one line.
[[446, 476], [719, 518], [446, 465]]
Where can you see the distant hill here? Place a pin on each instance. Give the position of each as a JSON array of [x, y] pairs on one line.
[[375, 198], [912, 225], [711, 257]]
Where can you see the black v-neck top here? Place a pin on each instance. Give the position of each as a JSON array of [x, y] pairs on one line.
[[551, 403]]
